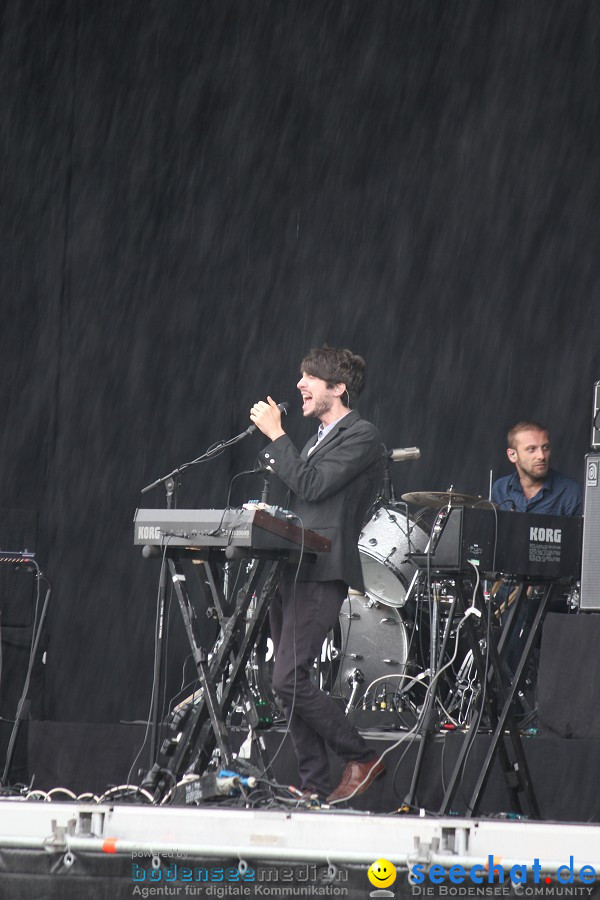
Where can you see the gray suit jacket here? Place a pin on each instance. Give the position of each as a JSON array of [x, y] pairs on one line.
[[332, 491]]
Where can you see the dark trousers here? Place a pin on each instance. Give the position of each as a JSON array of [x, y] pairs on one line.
[[300, 620]]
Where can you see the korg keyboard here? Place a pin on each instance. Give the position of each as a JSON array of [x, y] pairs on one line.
[[248, 529]]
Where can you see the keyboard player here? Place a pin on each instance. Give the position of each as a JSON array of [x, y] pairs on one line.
[[536, 488]]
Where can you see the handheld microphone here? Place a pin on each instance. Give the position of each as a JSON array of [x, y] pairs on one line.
[[283, 409], [400, 454]]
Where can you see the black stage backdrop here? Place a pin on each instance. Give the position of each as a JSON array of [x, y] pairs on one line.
[[194, 193]]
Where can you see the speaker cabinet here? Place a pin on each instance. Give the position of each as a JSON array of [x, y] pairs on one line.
[[596, 417], [590, 558]]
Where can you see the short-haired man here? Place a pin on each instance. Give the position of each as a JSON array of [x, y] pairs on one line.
[[333, 482], [535, 487]]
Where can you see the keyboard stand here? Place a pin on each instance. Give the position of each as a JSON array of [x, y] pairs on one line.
[[499, 705], [195, 733], [509, 697]]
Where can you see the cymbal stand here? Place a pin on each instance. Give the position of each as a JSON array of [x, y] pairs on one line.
[[436, 662]]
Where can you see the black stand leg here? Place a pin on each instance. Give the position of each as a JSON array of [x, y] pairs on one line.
[[505, 714], [159, 663], [191, 747], [516, 773], [223, 610], [159, 640]]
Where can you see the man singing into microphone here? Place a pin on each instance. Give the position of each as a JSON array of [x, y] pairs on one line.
[[333, 482]]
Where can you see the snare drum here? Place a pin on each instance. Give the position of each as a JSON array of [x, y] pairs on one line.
[[383, 545]]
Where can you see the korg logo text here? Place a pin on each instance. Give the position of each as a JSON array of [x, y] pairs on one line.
[[549, 535], [148, 533]]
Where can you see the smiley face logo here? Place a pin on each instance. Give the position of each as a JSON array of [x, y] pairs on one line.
[[382, 873]]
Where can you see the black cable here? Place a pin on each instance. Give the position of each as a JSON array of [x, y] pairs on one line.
[[167, 619], [474, 729], [397, 767], [165, 547], [254, 471]]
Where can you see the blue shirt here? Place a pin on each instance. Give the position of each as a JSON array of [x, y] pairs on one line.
[[559, 495]]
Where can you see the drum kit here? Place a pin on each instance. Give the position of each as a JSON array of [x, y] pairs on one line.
[[383, 647]]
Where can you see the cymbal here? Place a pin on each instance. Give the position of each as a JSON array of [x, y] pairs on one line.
[[437, 499]]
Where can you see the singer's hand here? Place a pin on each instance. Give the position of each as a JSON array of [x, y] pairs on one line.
[[267, 418]]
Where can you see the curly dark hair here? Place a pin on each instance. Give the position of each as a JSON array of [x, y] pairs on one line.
[[337, 366]]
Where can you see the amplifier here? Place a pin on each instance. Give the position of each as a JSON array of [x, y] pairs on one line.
[[596, 417], [590, 557]]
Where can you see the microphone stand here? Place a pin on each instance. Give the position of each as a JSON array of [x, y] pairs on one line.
[[387, 488], [264, 497], [159, 637], [214, 450], [171, 485]]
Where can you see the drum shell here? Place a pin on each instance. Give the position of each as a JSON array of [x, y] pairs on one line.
[[373, 643], [384, 544]]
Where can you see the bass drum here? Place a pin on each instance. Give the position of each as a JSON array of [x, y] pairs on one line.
[[375, 643], [383, 545], [383, 658]]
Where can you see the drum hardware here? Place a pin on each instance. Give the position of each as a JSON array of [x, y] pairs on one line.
[[465, 693], [354, 679], [399, 454], [574, 597]]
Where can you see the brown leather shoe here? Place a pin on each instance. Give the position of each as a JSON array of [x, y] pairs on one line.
[[356, 779]]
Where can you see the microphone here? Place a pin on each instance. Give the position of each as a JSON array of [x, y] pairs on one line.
[[283, 409], [400, 454]]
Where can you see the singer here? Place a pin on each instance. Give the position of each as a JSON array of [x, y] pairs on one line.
[[333, 482]]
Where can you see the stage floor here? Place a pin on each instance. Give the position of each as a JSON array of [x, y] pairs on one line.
[[113, 849], [87, 757]]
